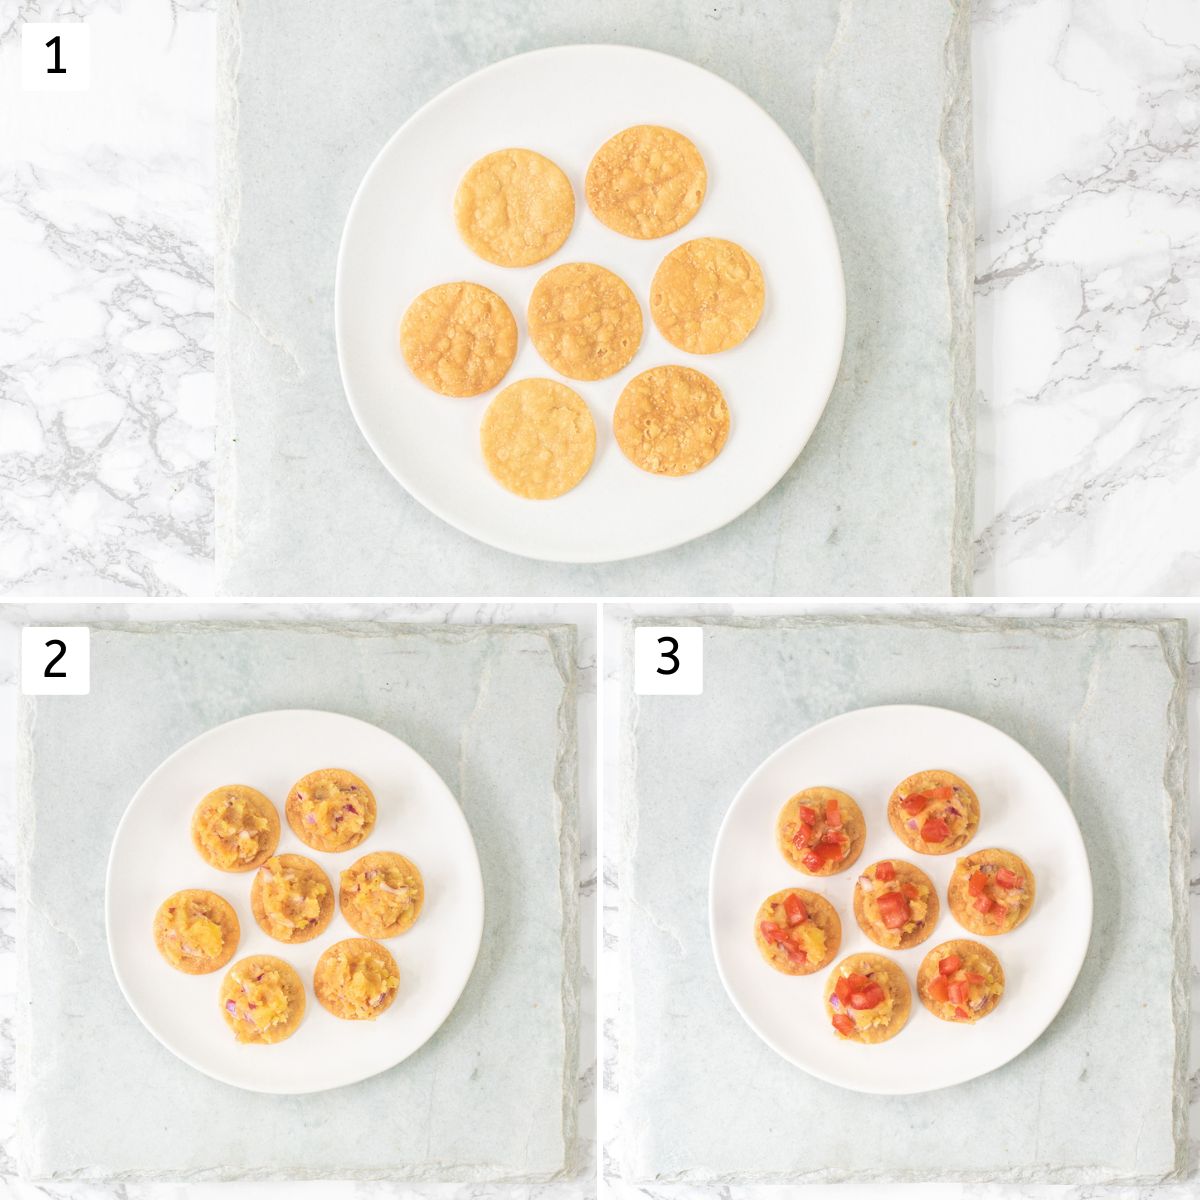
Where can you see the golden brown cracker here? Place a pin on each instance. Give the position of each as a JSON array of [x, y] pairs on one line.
[[584, 320], [646, 181], [196, 931], [1017, 901], [538, 438], [331, 809], [291, 898], [974, 956], [671, 420], [381, 894], [262, 999], [707, 295], [882, 970], [459, 338], [867, 888], [800, 842], [235, 828], [961, 810], [818, 912], [514, 207], [356, 979]]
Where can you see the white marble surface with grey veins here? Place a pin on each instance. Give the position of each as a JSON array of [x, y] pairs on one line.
[[430, 616], [615, 1109], [1088, 242]]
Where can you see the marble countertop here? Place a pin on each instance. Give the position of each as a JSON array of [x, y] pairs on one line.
[[1087, 234], [581, 615], [609, 1116]]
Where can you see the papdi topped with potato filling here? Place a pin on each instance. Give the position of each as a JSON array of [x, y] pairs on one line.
[[934, 812], [356, 980], [868, 998], [235, 828], [291, 898], [960, 981], [196, 931], [262, 999], [331, 810], [895, 904], [382, 894]]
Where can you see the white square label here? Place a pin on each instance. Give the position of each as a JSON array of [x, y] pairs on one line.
[[56, 57], [668, 660], [56, 660]]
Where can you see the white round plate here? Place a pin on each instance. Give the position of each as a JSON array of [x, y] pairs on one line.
[[400, 238], [866, 753], [152, 857]]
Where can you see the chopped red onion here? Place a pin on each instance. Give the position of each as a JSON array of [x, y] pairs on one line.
[[834, 1002], [911, 823], [231, 1006]]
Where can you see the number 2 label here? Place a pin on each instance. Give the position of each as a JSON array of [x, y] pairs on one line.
[[56, 660]]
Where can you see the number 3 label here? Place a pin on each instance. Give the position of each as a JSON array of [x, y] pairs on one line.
[[56, 660], [668, 660]]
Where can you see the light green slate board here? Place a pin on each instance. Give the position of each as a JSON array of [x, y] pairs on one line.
[[877, 98], [1100, 1097], [100, 1098]]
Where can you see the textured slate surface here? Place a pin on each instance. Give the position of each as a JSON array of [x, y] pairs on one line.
[[877, 97], [1101, 1096], [100, 1098]]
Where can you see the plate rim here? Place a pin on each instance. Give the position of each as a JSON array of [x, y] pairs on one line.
[[502, 544], [162, 766], [781, 750]]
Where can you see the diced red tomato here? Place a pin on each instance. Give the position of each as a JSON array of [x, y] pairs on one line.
[[868, 998], [999, 912], [772, 932], [857, 982], [842, 989], [935, 830], [798, 956], [939, 989], [833, 814], [832, 846], [914, 804], [842, 1023], [962, 1014], [977, 883], [885, 872], [983, 904], [808, 816], [797, 914], [950, 964], [958, 992], [974, 977], [894, 910], [1007, 879], [909, 891], [812, 861]]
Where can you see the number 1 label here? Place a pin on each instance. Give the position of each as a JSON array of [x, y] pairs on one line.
[[668, 660], [56, 660], [56, 57]]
